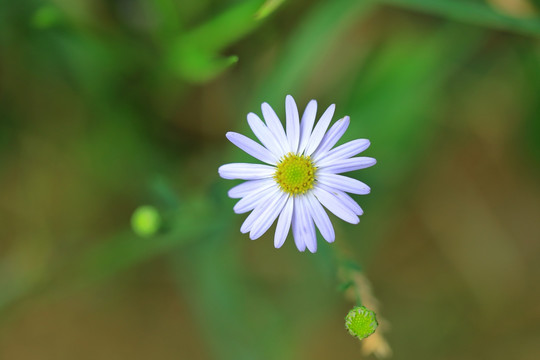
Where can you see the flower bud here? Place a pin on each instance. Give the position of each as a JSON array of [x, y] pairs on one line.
[[361, 322], [145, 221]]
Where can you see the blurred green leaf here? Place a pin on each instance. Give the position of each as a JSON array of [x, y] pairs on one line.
[[398, 89], [194, 56], [268, 8], [237, 321], [46, 17], [167, 16], [125, 250], [320, 27], [472, 12], [345, 285], [393, 105], [118, 253], [529, 60]]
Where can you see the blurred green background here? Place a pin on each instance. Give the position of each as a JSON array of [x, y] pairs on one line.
[[109, 105]]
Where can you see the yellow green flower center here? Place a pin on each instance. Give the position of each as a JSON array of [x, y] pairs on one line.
[[295, 174]]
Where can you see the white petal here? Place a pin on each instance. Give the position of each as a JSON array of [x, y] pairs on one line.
[[250, 220], [275, 126], [264, 135], [267, 218], [246, 171], [331, 138], [352, 164], [306, 227], [333, 204], [320, 217], [344, 183], [311, 241], [344, 151], [252, 200], [320, 130], [293, 123], [255, 214], [253, 148], [284, 223], [241, 190], [344, 198], [308, 119], [297, 226]]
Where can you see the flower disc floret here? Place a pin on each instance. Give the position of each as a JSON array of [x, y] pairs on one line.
[[295, 174]]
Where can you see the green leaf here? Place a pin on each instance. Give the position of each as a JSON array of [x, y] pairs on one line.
[[194, 56], [319, 29], [344, 286], [213, 278]]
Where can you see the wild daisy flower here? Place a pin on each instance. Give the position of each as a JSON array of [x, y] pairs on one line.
[[302, 173]]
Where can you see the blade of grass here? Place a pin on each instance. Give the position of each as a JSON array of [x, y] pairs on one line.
[[320, 28], [472, 12], [268, 8], [394, 104], [237, 318]]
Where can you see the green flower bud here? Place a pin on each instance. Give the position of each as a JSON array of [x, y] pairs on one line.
[[361, 322], [145, 221]]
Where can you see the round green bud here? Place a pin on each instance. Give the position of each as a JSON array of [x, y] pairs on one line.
[[145, 221], [361, 322]]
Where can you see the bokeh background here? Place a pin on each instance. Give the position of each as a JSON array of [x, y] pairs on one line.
[[109, 105]]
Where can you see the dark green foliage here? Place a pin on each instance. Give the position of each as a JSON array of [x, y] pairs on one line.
[[109, 105]]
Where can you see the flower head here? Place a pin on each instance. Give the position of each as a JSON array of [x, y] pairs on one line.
[[302, 173], [361, 322]]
